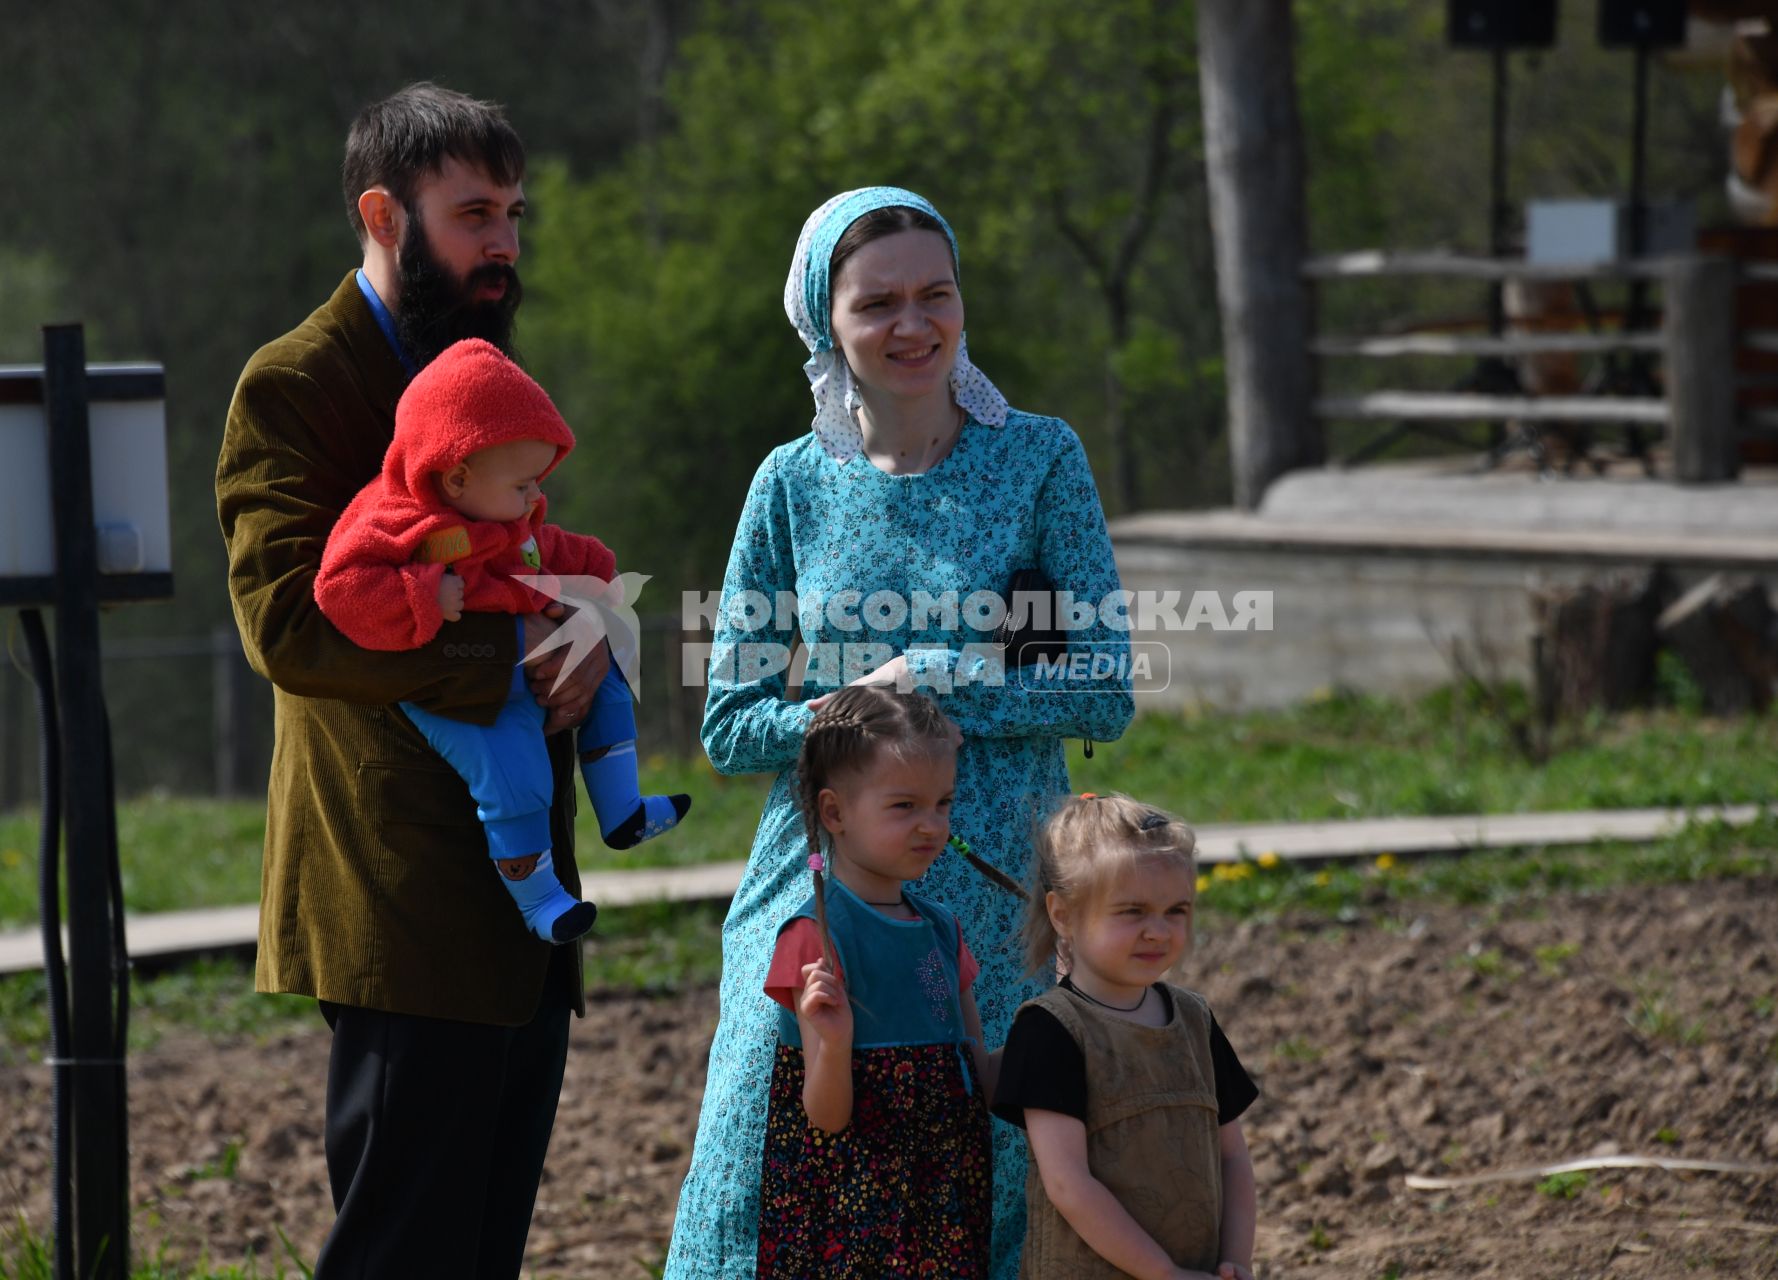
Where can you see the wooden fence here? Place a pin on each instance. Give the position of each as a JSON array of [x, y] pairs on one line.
[[1695, 405]]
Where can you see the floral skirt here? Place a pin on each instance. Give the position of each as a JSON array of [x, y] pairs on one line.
[[906, 1189]]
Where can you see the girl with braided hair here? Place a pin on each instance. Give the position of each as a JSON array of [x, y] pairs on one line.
[[876, 1158]]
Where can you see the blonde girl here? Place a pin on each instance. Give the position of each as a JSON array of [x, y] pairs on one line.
[[877, 1157], [1126, 1087]]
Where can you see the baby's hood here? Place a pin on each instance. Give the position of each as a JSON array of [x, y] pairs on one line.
[[469, 398]]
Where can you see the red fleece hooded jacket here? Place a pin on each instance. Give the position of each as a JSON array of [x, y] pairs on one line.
[[384, 560]]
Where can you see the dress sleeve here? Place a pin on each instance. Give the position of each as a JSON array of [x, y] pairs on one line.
[[799, 943], [1041, 1068], [1235, 1090], [1074, 553], [278, 494], [749, 726]]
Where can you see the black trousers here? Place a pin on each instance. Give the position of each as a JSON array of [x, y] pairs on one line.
[[436, 1133]]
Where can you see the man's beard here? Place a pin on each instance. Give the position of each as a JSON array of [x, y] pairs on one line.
[[437, 309]]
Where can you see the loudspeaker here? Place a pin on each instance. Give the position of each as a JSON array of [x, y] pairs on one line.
[[1655, 24], [1513, 24]]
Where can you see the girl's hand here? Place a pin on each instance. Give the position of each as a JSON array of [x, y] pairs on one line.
[[1233, 1271], [823, 1005], [450, 596]]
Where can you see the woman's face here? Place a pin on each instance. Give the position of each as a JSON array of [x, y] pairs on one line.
[[897, 314]]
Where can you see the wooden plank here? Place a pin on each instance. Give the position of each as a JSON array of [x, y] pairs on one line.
[[1518, 344], [1438, 406], [1371, 263], [1258, 534]]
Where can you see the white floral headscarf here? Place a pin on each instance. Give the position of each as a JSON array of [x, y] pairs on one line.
[[808, 302]]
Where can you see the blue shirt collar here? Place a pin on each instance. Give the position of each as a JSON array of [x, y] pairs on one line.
[[385, 321]]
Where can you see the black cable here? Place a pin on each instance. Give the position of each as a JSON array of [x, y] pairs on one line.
[[120, 965], [49, 894]]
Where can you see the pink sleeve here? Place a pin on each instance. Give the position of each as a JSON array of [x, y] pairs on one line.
[[798, 944], [967, 967], [577, 555]]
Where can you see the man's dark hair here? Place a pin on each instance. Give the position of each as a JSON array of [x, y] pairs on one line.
[[396, 142]]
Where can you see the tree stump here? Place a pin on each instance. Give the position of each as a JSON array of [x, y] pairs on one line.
[[1722, 630], [1595, 644]]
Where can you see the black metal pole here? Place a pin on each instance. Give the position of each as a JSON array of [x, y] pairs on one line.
[[1637, 231], [1498, 213], [101, 1210]]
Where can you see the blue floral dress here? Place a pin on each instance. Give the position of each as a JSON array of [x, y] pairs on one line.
[[1006, 498]]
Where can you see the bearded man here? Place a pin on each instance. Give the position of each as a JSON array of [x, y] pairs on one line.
[[449, 1019]]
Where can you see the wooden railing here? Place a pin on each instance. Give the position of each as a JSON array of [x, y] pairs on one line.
[[1696, 344]]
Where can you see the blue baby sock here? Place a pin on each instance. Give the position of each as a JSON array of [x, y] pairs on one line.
[[626, 816], [548, 910]]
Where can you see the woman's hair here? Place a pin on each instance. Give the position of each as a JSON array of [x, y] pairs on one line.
[[1085, 845], [874, 226]]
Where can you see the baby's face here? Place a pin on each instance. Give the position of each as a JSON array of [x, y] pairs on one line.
[[500, 482]]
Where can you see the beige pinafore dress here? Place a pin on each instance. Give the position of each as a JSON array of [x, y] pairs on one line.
[[1152, 1137]]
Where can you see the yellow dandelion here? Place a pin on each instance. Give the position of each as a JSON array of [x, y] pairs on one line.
[[1241, 871], [1221, 871], [1268, 859], [1324, 878], [10, 858], [1203, 883], [1385, 861]]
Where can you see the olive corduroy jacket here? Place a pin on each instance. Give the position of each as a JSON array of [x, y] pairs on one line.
[[377, 889]]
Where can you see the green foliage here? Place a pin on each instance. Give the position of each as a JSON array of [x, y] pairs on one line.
[[1341, 756], [660, 947], [1563, 1186]]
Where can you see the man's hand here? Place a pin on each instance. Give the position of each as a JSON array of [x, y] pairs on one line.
[[565, 706], [450, 596]]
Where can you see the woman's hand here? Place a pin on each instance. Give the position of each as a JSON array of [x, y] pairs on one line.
[[895, 671]]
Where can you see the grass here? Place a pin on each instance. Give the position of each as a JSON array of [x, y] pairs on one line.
[[661, 949], [1341, 756]]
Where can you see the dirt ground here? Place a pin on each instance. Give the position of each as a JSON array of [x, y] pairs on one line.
[[1444, 1041]]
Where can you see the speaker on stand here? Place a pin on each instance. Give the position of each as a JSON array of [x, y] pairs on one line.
[[1642, 25], [1499, 26]]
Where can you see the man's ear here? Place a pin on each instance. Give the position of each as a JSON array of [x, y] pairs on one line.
[[382, 214], [827, 808], [452, 483]]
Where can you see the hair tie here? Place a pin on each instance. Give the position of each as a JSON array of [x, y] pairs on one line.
[[1091, 795], [815, 863], [1153, 820]]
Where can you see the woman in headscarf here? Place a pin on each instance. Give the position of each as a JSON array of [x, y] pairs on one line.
[[917, 488]]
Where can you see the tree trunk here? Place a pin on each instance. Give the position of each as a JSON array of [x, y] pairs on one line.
[[1253, 143], [1597, 644], [1722, 629]]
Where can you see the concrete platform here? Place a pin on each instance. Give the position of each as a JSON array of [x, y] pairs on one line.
[[1376, 572], [167, 936]]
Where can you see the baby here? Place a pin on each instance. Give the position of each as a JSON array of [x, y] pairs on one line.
[[454, 518]]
